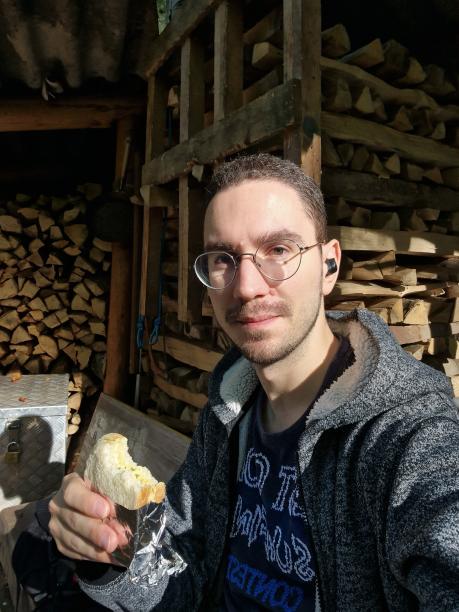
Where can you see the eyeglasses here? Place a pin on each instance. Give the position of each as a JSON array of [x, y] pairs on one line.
[[276, 260]]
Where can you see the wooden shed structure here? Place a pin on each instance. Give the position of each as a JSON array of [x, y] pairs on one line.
[[356, 96], [376, 124]]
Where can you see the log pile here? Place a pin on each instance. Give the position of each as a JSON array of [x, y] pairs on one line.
[[53, 292], [390, 164], [390, 147]]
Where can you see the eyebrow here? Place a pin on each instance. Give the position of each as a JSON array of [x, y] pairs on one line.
[[266, 237]]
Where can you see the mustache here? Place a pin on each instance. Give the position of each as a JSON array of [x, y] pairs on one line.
[[248, 311]]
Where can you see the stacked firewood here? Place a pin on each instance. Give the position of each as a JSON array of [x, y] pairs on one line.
[[53, 292], [390, 146], [391, 168]]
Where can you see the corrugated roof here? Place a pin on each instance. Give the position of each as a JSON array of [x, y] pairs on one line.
[[72, 41]]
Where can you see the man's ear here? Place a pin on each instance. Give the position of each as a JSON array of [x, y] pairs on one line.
[[331, 259]]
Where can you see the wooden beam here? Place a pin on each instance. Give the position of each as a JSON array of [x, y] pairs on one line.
[[156, 117], [260, 87], [119, 319], [302, 47], [198, 400], [191, 89], [191, 218], [228, 58], [186, 19], [388, 93], [367, 189], [406, 243], [191, 122], [267, 29], [152, 216], [67, 114], [189, 353], [264, 117], [382, 138]]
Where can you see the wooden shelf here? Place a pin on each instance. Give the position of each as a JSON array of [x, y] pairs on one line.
[[187, 352]]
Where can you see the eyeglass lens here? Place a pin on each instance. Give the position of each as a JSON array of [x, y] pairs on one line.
[[276, 260]]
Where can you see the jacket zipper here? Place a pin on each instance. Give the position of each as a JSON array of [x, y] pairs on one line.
[[318, 606]]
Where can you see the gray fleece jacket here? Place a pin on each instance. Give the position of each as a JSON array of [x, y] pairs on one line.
[[379, 464]]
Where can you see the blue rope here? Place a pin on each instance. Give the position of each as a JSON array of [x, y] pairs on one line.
[[140, 327]]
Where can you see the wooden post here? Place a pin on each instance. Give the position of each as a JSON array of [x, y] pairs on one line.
[[152, 216], [190, 224], [118, 333], [137, 218], [302, 48], [228, 58]]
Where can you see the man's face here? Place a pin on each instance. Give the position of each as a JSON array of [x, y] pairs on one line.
[[265, 319]]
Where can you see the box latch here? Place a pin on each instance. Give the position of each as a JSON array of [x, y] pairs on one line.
[[13, 450]]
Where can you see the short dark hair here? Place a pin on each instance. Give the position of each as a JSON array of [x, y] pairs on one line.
[[263, 166]]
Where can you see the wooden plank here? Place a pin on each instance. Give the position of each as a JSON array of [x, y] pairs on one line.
[[156, 117], [302, 47], [228, 58], [191, 122], [382, 138], [264, 117], [186, 19], [191, 89], [367, 189], [119, 320], [388, 93], [152, 217], [191, 218], [260, 87], [137, 218], [267, 29], [198, 400], [186, 352], [158, 197], [407, 243], [66, 114]]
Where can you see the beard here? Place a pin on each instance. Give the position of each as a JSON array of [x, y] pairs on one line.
[[257, 345]]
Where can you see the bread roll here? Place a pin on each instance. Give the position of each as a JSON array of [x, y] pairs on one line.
[[113, 473]]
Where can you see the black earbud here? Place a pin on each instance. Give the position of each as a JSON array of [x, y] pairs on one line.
[[331, 266]]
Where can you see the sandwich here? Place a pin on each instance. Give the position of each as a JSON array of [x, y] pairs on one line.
[[112, 472]]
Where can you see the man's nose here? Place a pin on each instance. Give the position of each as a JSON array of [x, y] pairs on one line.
[[249, 282]]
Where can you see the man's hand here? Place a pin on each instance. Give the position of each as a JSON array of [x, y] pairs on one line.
[[82, 522]]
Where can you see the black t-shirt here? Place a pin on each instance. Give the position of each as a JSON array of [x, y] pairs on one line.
[[271, 563]]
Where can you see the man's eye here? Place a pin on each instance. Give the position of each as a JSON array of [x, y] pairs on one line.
[[223, 259], [277, 250]]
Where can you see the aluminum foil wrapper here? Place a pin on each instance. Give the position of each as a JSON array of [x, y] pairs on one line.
[[146, 555]]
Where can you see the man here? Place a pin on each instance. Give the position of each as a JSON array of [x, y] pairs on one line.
[[323, 473]]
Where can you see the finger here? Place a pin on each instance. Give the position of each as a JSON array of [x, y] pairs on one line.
[[72, 543], [77, 495], [122, 531], [99, 534], [91, 555]]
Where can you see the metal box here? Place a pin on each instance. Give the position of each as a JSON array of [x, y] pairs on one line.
[[33, 426]]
